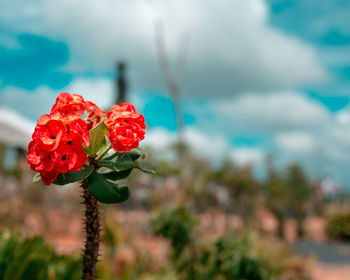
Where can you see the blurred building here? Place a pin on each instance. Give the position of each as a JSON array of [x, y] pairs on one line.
[[15, 135]]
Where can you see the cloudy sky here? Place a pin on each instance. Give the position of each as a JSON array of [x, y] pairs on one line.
[[261, 77]]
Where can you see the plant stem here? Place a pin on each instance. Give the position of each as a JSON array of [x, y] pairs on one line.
[[92, 229], [104, 152]]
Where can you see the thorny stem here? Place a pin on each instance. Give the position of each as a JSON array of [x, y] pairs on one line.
[[103, 152], [92, 228]]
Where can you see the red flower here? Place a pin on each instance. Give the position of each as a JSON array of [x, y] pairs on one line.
[[50, 135], [65, 158], [73, 141], [126, 127], [47, 160], [57, 139], [80, 127], [94, 114], [81, 159], [41, 161], [125, 110], [69, 106], [43, 120], [48, 176], [34, 156]]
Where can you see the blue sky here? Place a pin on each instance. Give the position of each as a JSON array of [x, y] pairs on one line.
[[325, 25], [261, 77]]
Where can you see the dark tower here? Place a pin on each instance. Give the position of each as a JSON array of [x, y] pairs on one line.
[[121, 83]]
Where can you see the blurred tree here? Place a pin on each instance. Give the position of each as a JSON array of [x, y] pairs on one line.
[[287, 195], [172, 81], [177, 225], [121, 83], [243, 190], [300, 188]]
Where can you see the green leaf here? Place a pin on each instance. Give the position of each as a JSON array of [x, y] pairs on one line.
[[136, 154], [114, 156], [110, 157], [70, 177], [143, 168], [114, 176], [36, 178], [106, 191], [97, 138], [118, 163]]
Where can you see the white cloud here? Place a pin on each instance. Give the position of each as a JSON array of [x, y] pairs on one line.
[[30, 104], [293, 127], [247, 156], [343, 116], [211, 146], [299, 141], [208, 146], [340, 134], [100, 91], [231, 47], [159, 138], [271, 112], [33, 104], [201, 144]]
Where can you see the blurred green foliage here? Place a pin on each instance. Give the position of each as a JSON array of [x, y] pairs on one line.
[[176, 225], [288, 194], [338, 225], [244, 192], [180, 190], [32, 259], [233, 256]]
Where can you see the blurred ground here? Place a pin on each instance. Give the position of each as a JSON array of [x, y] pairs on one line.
[[333, 259], [325, 271], [56, 213], [65, 232]]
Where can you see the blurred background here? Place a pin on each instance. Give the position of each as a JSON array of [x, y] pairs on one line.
[[248, 127]]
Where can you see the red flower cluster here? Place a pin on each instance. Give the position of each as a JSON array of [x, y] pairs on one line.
[[57, 140], [94, 114], [126, 127]]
